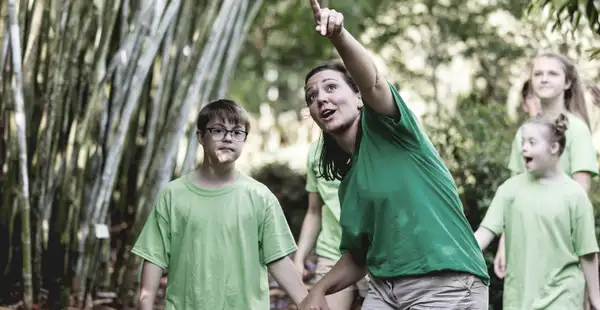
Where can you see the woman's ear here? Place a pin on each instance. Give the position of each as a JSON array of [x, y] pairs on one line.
[[360, 102]]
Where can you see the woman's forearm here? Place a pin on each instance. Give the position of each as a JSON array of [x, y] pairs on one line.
[[357, 60], [344, 274], [373, 87]]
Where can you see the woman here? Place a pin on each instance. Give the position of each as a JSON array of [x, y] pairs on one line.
[[402, 219]]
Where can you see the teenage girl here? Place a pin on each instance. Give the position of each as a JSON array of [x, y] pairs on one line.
[[401, 217], [556, 83], [548, 221]]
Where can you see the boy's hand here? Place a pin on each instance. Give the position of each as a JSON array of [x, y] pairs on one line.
[[329, 22]]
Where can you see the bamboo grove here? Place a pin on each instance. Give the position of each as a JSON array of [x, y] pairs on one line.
[[95, 97]]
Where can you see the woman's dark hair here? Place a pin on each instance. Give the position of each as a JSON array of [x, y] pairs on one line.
[[335, 162]]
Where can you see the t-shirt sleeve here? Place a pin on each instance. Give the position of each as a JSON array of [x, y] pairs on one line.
[[276, 239], [583, 226], [355, 242], [404, 131], [154, 242], [582, 151], [494, 217], [311, 177], [516, 163]]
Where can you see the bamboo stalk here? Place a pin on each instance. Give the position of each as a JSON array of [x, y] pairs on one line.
[[99, 205], [207, 87], [154, 108], [15, 41]]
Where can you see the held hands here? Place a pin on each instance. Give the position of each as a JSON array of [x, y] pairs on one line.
[[300, 268], [315, 300], [329, 22]]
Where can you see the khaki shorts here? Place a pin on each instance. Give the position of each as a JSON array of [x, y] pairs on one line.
[[444, 291], [323, 267]]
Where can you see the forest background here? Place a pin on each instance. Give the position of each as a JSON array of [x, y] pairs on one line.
[[98, 100]]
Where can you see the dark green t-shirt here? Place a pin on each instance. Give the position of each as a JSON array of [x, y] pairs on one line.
[[400, 206]]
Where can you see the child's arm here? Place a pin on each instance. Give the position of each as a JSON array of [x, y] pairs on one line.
[[311, 226], [284, 273], [151, 275], [154, 247], [484, 236], [586, 246], [589, 266], [493, 221]]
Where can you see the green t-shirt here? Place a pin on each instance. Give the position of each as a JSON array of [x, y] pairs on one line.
[[547, 228], [328, 242], [579, 154], [216, 244], [400, 205]]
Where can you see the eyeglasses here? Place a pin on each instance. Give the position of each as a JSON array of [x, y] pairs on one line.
[[221, 133]]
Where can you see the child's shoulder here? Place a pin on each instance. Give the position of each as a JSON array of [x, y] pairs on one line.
[[576, 123], [574, 189], [254, 187], [176, 185], [516, 181]]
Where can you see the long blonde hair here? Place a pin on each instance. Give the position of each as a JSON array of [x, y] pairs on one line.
[[574, 96]]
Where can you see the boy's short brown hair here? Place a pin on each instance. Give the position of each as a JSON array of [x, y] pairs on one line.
[[225, 110]]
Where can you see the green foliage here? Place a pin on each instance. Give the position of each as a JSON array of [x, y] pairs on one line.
[[288, 186], [283, 39], [445, 31], [571, 12]]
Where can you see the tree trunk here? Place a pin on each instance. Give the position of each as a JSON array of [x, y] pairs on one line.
[[15, 43]]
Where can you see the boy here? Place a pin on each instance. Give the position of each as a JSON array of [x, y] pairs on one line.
[[216, 230]]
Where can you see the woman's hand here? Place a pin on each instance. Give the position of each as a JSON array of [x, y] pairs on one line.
[[329, 22]]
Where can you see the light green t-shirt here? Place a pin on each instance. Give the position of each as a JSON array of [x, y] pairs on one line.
[[579, 154], [216, 244], [400, 206], [328, 242], [547, 228]]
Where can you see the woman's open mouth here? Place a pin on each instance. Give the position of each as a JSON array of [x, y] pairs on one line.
[[326, 114]]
